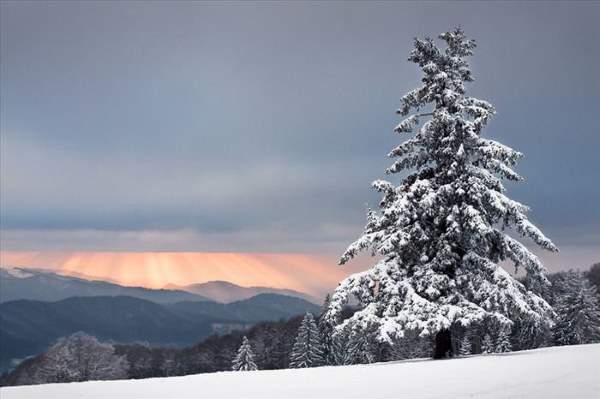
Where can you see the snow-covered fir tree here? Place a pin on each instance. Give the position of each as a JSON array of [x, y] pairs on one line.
[[340, 353], [326, 332], [400, 350], [503, 341], [487, 345], [530, 335], [593, 275], [440, 232], [465, 345], [244, 360], [307, 350], [578, 311], [361, 348], [410, 346]]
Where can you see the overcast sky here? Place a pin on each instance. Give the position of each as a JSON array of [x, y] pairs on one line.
[[259, 127]]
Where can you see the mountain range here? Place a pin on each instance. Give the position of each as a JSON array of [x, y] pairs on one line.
[[42, 285], [226, 292], [28, 327], [37, 307]]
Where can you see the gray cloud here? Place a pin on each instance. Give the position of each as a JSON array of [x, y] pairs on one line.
[[261, 125]]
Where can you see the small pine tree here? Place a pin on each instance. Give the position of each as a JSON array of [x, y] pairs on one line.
[[465, 345], [340, 353], [308, 349], [503, 341], [361, 348], [244, 360], [326, 332], [487, 346], [578, 311]]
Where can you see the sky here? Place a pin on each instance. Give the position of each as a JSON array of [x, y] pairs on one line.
[[258, 127], [308, 273]]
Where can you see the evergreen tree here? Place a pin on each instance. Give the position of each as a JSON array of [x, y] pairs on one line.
[[465, 345], [326, 332], [340, 353], [421, 347], [361, 349], [503, 341], [244, 360], [411, 346], [400, 350], [307, 350], [594, 276], [440, 232], [487, 346], [530, 335], [578, 311]]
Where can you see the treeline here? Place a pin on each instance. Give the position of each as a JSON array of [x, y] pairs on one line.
[[308, 342], [272, 342]]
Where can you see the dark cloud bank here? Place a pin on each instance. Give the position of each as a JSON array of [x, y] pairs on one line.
[[241, 127]]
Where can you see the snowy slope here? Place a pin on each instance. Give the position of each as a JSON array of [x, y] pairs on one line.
[[560, 372]]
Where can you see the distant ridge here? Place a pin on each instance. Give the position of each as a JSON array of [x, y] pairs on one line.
[[42, 285], [226, 292]]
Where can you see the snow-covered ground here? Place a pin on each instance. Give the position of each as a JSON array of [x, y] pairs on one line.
[[560, 372]]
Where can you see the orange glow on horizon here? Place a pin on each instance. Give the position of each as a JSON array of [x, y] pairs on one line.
[[312, 274]]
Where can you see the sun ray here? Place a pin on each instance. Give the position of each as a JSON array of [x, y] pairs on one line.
[[312, 274]]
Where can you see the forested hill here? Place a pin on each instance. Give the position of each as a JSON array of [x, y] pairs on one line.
[[29, 327]]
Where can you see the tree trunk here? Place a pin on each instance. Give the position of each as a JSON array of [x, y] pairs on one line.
[[443, 345]]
